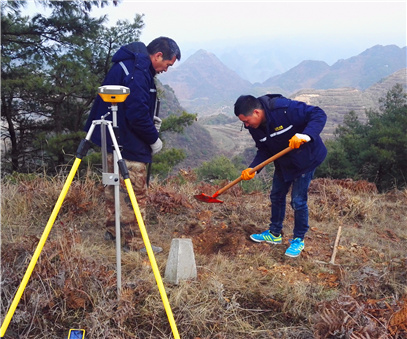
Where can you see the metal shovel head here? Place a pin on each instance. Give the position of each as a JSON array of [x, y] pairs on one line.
[[212, 199], [207, 198]]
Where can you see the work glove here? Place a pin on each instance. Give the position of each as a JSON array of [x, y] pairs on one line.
[[157, 146], [246, 175], [298, 139], [157, 123]]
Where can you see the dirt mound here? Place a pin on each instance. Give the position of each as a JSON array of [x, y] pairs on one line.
[[215, 238]]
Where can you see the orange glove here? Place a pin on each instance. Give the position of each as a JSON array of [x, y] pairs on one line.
[[298, 139], [246, 175]]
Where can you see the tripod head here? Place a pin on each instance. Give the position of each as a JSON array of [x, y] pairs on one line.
[[113, 93]]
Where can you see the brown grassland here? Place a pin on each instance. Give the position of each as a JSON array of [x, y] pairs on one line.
[[243, 289]]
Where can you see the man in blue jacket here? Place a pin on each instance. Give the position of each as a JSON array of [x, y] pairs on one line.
[[275, 123], [134, 66]]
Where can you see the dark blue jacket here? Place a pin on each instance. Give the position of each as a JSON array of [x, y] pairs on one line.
[[135, 114], [285, 118]]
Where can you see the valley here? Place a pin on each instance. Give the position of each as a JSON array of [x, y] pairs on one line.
[[229, 139]]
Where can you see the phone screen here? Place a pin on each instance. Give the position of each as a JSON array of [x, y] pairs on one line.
[[76, 334]]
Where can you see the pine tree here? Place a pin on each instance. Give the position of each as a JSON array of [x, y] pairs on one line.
[[51, 69], [375, 151]]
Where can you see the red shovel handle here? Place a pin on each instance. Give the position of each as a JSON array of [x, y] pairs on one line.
[[254, 169]]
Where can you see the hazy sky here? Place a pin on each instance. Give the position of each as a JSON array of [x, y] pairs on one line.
[[206, 24], [315, 30]]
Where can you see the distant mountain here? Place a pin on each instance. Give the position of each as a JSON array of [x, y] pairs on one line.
[[301, 76], [359, 72], [195, 140], [204, 81], [380, 88], [257, 64], [204, 85]]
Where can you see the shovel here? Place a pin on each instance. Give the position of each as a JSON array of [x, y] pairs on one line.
[[212, 199]]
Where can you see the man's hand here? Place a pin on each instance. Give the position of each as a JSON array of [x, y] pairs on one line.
[[298, 139], [156, 147], [246, 175], [157, 123]]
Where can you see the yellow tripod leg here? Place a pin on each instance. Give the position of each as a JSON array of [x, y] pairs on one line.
[[38, 250], [153, 262]]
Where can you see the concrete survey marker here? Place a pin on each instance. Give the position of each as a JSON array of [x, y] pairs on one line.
[[181, 262]]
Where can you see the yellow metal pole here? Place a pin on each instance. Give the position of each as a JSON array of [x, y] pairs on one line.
[[153, 262], [38, 250]]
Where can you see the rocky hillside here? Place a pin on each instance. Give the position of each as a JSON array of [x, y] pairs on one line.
[[195, 140]]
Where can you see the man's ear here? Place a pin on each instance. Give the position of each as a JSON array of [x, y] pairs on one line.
[[260, 114], [256, 112], [158, 54]]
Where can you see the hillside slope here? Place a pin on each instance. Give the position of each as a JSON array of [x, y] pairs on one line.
[[244, 290]]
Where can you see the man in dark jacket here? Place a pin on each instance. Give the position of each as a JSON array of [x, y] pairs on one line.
[[134, 66], [275, 123]]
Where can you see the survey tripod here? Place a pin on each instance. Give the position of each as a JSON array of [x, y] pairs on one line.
[[113, 94]]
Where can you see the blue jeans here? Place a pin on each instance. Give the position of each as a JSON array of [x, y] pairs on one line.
[[299, 198]]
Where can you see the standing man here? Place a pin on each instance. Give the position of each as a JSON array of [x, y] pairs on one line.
[[274, 123], [134, 66]]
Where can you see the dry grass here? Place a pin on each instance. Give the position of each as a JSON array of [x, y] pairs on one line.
[[243, 289]]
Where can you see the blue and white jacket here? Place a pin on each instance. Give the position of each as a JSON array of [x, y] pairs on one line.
[[132, 68], [285, 118]]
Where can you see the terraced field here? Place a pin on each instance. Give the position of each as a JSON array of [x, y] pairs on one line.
[[229, 139]]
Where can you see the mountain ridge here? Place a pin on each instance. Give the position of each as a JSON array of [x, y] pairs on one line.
[[203, 84], [193, 80]]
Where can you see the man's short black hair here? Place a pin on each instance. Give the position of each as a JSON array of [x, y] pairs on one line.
[[166, 46], [246, 104]]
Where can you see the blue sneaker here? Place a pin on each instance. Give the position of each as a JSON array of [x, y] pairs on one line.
[[297, 245], [267, 237]]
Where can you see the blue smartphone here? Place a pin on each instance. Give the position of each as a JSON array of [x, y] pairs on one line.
[[76, 334]]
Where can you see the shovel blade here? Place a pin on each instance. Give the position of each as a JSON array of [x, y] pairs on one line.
[[207, 198]]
